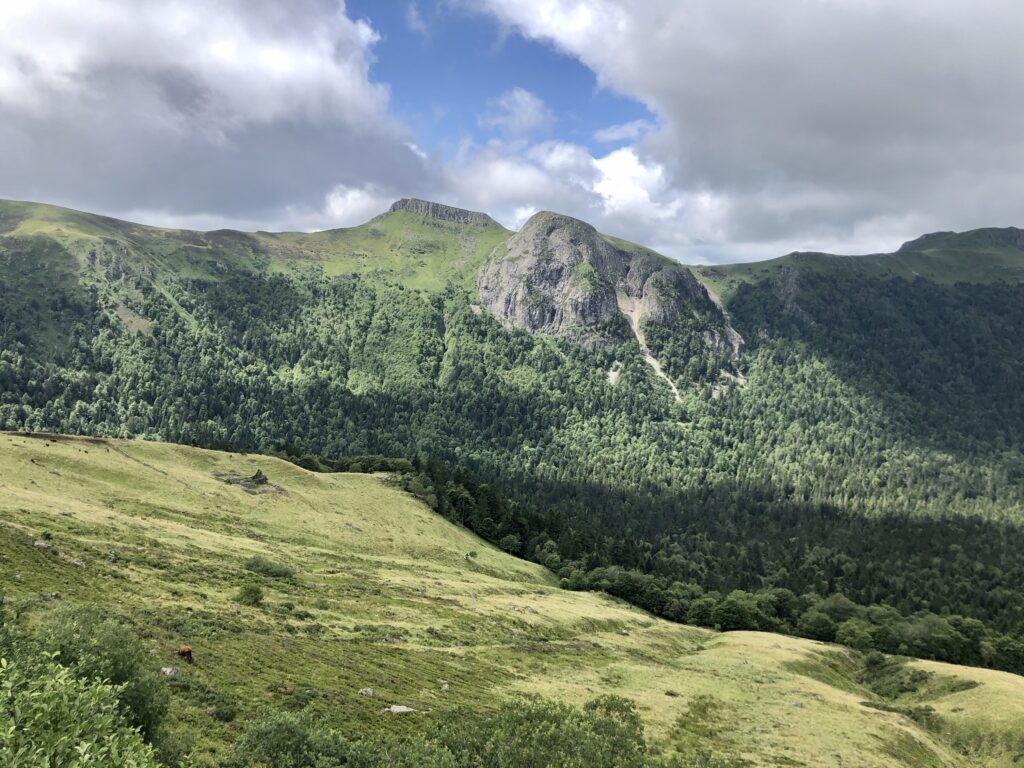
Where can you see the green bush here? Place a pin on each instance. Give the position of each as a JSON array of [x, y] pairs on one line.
[[856, 633], [605, 733], [286, 740], [98, 648], [264, 567], [816, 625], [250, 594], [50, 717]]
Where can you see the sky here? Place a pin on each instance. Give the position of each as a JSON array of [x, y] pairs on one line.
[[710, 130]]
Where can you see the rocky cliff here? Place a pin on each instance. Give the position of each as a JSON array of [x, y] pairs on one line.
[[560, 276], [442, 212]]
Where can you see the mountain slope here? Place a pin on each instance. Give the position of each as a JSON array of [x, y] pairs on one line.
[[980, 256], [387, 595], [420, 246], [859, 460]]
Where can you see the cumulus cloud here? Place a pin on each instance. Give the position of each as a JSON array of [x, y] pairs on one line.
[[517, 112], [844, 125], [243, 108], [814, 123]]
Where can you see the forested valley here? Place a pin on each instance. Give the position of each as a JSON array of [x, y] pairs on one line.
[[863, 482]]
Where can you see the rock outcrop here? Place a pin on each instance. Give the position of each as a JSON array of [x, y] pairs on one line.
[[560, 276], [441, 212]]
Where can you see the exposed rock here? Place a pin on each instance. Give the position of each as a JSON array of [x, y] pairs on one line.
[[256, 483], [552, 277], [399, 709], [441, 212], [43, 545], [171, 671], [366, 692], [560, 276]]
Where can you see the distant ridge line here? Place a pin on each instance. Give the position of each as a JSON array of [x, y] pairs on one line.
[[439, 211]]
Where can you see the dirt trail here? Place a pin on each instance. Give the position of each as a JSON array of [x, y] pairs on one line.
[[631, 309]]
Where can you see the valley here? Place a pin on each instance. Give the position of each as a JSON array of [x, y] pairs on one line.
[[712, 476]]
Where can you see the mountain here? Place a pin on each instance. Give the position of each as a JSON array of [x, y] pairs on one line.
[[369, 599], [826, 446], [990, 255]]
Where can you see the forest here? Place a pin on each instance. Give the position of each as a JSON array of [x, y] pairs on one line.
[[863, 483]]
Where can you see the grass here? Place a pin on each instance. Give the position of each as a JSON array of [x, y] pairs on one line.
[[981, 263], [364, 587], [420, 253]]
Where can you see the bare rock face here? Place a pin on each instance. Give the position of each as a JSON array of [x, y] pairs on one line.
[[551, 277], [561, 277], [441, 212]]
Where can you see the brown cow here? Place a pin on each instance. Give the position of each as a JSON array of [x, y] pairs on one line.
[[186, 653]]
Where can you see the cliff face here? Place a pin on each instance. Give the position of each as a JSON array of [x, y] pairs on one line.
[[552, 278], [559, 276], [441, 212]]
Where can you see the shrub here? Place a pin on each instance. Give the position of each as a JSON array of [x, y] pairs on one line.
[[94, 647], [605, 733], [510, 543], [286, 740], [816, 625], [250, 594], [701, 610], [47, 712], [264, 567], [855, 633]]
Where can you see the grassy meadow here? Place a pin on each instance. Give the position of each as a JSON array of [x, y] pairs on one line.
[[365, 587]]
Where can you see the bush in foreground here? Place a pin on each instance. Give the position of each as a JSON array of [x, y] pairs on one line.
[[50, 717]]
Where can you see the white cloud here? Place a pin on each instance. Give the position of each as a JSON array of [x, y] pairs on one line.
[[631, 131], [242, 108], [813, 121], [844, 125], [517, 112], [414, 20]]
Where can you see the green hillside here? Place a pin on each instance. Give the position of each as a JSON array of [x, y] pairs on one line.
[[856, 473], [379, 592], [420, 252], [980, 256]]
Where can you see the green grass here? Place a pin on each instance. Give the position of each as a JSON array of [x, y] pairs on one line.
[[365, 587], [949, 262], [418, 252]]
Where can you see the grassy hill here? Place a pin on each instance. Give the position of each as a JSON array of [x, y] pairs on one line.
[[420, 252], [980, 256], [387, 595]]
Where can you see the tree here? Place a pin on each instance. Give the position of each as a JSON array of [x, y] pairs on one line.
[[816, 625], [739, 610], [855, 633]]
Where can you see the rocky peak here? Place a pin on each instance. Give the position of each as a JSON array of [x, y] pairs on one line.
[[558, 275], [441, 212]]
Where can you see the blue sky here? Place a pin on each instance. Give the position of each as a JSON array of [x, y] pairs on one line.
[[446, 68], [846, 126]]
